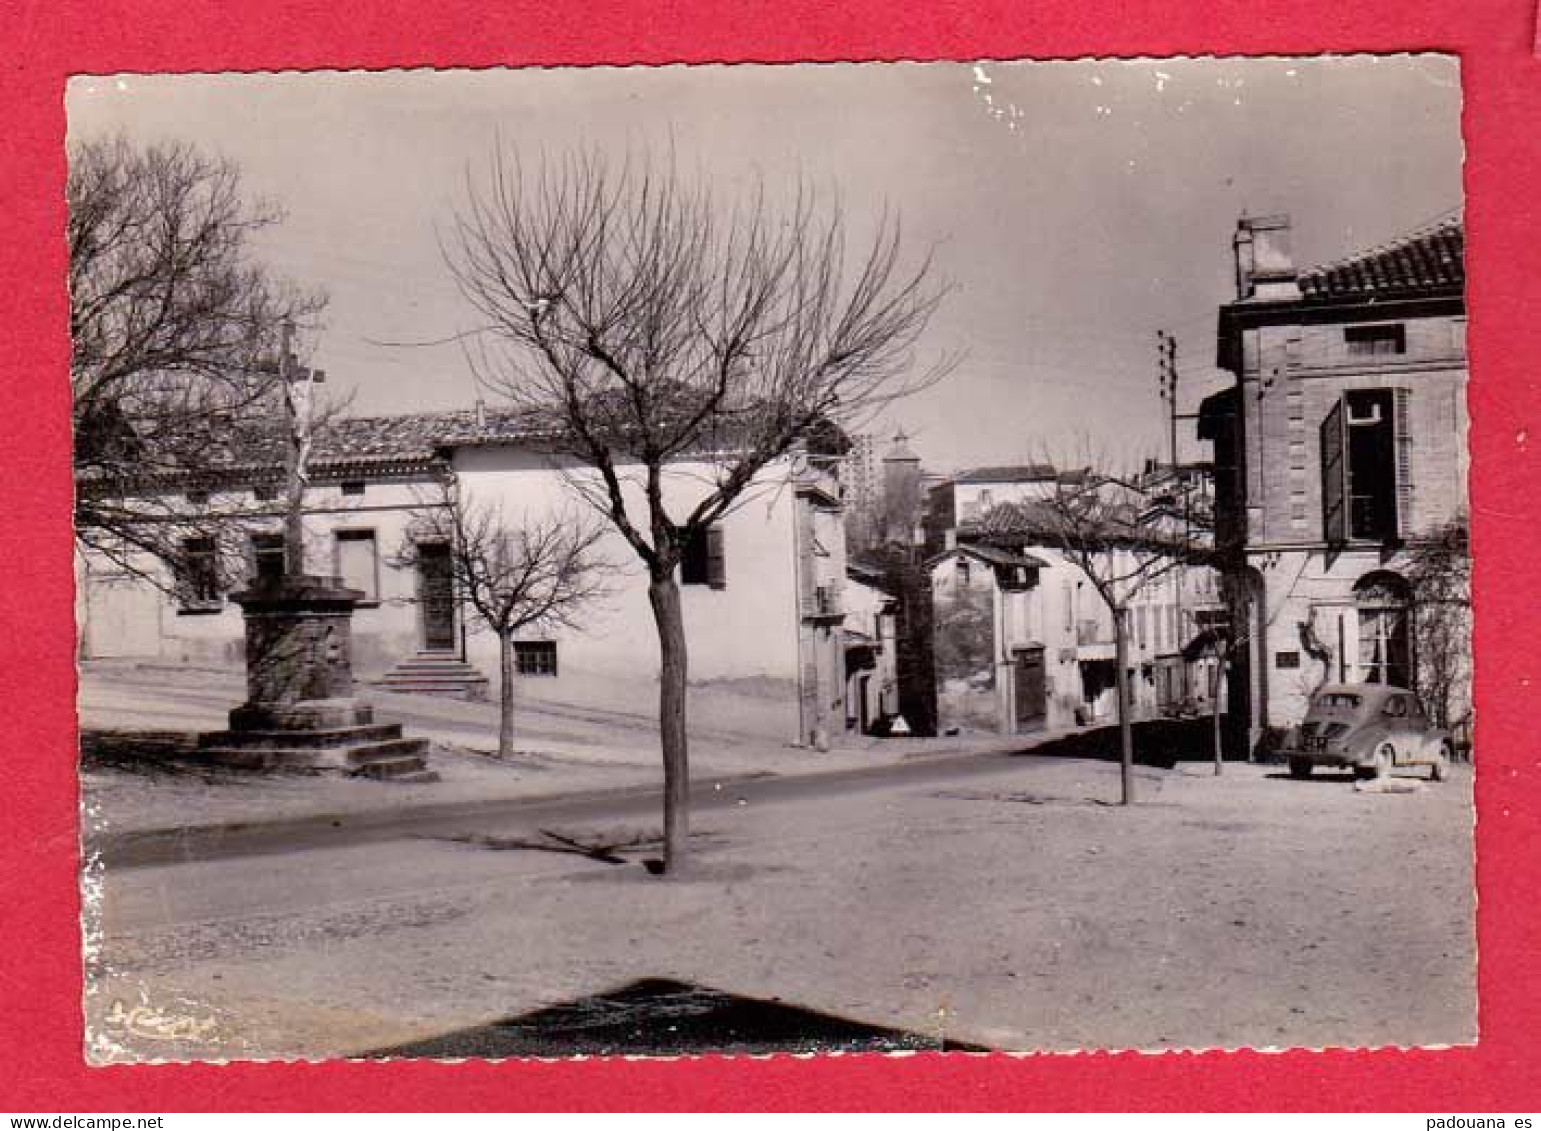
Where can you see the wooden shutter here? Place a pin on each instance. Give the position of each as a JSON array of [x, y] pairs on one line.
[[1335, 476], [716, 558], [1402, 437]]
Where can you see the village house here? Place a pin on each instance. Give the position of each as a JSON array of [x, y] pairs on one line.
[[1340, 446], [1024, 641], [763, 593]]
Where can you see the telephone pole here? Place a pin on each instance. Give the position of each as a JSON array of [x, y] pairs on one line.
[[1166, 369]]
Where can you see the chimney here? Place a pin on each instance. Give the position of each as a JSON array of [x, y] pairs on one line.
[[1264, 267]]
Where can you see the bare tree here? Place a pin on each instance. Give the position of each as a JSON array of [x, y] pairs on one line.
[[1439, 576], [1099, 523], [641, 323], [516, 573], [175, 337]]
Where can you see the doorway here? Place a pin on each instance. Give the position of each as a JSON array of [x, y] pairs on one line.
[[436, 596]]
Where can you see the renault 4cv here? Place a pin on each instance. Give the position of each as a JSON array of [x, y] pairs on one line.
[[1370, 728]]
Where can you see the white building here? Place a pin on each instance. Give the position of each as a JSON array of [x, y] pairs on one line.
[[1024, 640], [762, 596]]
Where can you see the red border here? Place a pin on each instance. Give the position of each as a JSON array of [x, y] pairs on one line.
[[45, 40]]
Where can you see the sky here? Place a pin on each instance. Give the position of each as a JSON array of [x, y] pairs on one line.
[[1075, 208]]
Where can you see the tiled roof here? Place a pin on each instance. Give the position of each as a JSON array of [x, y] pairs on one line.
[[1022, 518], [1427, 261], [1013, 473], [370, 441], [998, 557]]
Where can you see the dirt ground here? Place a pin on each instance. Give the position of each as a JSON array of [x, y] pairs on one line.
[[1016, 911], [561, 750]]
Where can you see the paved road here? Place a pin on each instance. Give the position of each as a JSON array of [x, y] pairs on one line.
[[135, 850]]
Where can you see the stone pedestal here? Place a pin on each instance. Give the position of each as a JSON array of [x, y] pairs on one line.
[[300, 714]]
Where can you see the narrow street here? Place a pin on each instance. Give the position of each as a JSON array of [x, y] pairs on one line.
[[995, 902]]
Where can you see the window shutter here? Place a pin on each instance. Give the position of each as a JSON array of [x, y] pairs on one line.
[[1335, 476], [716, 559], [1403, 437]]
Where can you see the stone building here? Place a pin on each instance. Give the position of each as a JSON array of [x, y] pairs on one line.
[[1339, 448]]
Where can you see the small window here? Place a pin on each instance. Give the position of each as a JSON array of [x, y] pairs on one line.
[[357, 562], [268, 559], [198, 498], [265, 492], [1286, 661], [198, 588], [965, 573], [535, 657], [704, 561], [353, 487], [1371, 341]]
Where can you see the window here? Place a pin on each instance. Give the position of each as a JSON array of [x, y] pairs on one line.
[[353, 487], [265, 492], [704, 561], [198, 498], [357, 563], [1285, 661], [1396, 707], [535, 657], [965, 573], [198, 588], [267, 557], [1139, 625], [1385, 650], [1376, 341], [1366, 467]]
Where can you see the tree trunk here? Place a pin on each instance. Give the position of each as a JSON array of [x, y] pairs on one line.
[[506, 696], [664, 595], [1125, 727]]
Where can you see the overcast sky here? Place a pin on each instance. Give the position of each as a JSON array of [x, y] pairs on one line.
[[1076, 207]]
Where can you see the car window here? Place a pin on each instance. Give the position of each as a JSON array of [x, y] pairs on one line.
[[1396, 706], [1338, 699]]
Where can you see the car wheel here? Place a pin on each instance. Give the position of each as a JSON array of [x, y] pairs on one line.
[[1385, 758], [1301, 767], [1440, 770]]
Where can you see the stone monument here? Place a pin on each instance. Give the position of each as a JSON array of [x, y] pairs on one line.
[[300, 714]]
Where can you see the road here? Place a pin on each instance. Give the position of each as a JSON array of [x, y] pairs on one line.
[[993, 901], [159, 848]]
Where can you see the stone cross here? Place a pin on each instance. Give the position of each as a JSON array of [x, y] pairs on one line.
[[297, 382]]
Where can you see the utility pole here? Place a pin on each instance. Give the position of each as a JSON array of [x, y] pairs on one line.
[[1166, 364]]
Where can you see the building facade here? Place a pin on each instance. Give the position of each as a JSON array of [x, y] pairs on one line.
[[762, 596], [1025, 641], [1340, 449]]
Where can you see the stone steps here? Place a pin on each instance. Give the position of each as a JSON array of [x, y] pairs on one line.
[[302, 739], [383, 754], [435, 673]]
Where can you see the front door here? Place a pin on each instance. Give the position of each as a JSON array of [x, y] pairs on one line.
[[436, 595], [1030, 690]]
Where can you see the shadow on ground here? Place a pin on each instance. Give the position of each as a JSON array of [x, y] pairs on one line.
[[1158, 743], [659, 1017]]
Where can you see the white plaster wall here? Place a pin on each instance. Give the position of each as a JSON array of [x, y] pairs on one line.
[[742, 639], [125, 616]]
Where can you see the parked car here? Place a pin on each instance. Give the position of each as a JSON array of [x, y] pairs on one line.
[[1369, 727]]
